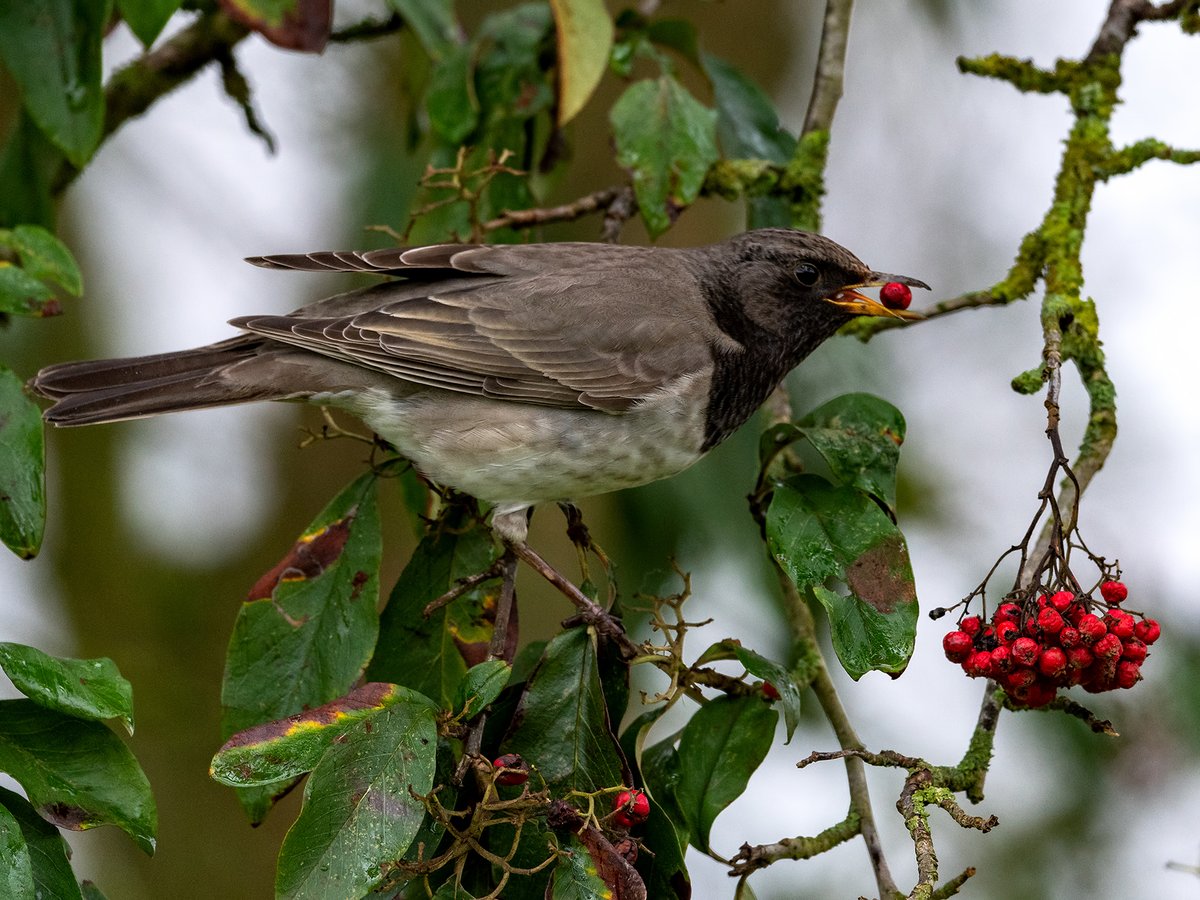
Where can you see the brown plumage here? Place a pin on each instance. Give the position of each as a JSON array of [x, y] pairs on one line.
[[518, 373]]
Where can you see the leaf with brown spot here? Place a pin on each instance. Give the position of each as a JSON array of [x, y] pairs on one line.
[[283, 749], [590, 868], [292, 24], [309, 626], [78, 774], [823, 535]]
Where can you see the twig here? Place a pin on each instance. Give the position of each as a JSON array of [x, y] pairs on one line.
[[831, 67], [135, 88], [567, 212]]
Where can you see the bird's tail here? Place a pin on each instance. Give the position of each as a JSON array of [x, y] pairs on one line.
[[111, 390]]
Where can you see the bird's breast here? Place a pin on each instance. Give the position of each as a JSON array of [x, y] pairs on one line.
[[513, 453]]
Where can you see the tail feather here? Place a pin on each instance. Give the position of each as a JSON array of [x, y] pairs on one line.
[[113, 390]]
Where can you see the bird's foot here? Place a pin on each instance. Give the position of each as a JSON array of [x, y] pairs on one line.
[[579, 535]]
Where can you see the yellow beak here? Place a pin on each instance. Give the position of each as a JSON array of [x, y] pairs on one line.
[[850, 300]]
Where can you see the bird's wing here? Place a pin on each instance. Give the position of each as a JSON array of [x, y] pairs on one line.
[[555, 325]]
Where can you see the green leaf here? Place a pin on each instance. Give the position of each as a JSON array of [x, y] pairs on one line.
[[677, 34], [359, 811], [45, 257], [748, 128], [480, 686], [425, 654], [23, 295], [47, 852], [28, 166], [90, 891], [778, 676], [433, 22], [561, 725], [747, 123], [22, 469], [859, 436], [667, 140], [77, 774], [52, 50], [309, 625], [279, 751], [302, 25], [84, 688], [16, 870], [450, 100], [664, 834], [584, 37], [821, 533], [575, 876], [146, 18], [720, 748]]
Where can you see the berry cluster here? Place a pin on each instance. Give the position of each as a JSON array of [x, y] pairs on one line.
[[1055, 642]]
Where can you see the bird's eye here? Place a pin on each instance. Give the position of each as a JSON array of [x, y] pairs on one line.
[[807, 274]]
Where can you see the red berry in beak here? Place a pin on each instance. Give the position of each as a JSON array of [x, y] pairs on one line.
[[895, 295]]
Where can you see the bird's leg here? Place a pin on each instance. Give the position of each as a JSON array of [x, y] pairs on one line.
[[512, 527], [579, 535], [503, 646]]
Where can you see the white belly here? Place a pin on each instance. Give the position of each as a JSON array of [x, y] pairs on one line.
[[513, 454]]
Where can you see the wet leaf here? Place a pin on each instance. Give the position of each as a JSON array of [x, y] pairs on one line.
[[77, 774], [819, 534], [278, 751], [770, 672], [722, 745], [480, 686], [426, 654], [22, 469], [585, 35], [52, 50], [29, 163], [561, 725], [16, 870], [84, 688], [575, 876], [667, 140], [359, 811], [309, 625], [859, 436], [47, 852], [23, 295]]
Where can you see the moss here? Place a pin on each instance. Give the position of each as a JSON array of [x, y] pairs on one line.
[[1030, 381], [803, 182]]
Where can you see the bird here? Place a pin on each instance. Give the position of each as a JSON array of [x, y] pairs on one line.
[[519, 373]]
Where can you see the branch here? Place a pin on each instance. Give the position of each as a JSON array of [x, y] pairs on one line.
[[1122, 21], [134, 89], [831, 67]]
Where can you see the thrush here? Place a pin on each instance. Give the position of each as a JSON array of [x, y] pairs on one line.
[[519, 373]]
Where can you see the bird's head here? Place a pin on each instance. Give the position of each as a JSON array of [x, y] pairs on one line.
[[798, 283]]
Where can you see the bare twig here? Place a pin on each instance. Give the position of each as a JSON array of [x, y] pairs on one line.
[[831, 66]]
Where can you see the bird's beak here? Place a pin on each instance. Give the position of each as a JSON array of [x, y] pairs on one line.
[[850, 300]]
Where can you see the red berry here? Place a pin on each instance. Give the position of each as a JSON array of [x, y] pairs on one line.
[[1039, 694], [895, 295], [1134, 650], [1113, 592], [1128, 674], [1006, 612], [1091, 629], [1007, 631], [769, 691], [631, 808], [511, 769], [1050, 620], [1002, 659], [1080, 657], [979, 664], [1062, 600], [1108, 647], [1053, 662], [957, 646], [971, 625], [1019, 680], [1025, 651], [1068, 637], [1119, 623], [1147, 631]]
